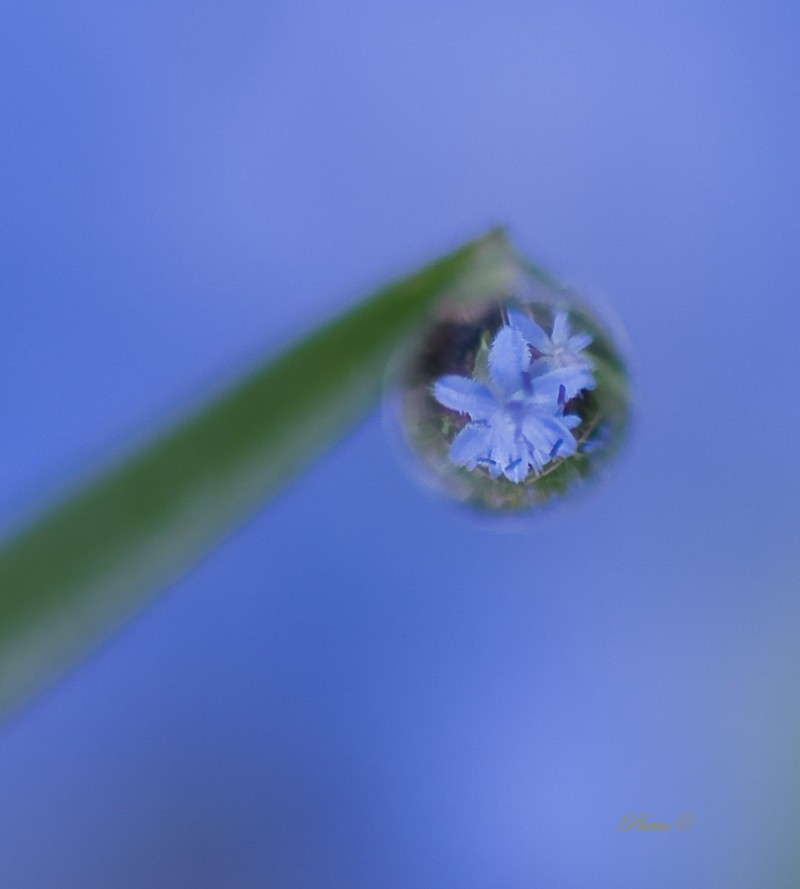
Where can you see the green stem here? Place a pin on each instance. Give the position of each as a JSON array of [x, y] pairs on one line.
[[77, 571]]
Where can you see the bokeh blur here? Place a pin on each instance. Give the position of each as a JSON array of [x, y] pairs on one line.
[[364, 687]]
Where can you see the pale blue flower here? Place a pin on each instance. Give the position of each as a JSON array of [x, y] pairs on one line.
[[557, 359], [515, 425]]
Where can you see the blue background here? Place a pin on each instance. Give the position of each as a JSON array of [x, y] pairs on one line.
[[363, 687]]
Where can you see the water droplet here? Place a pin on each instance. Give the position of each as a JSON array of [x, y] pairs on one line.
[[513, 401]]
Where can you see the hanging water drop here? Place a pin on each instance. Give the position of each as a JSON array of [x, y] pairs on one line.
[[513, 401]]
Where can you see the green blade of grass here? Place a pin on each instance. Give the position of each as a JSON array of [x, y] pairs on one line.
[[78, 570]]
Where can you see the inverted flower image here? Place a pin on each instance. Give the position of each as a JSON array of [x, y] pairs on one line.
[[515, 425], [516, 403]]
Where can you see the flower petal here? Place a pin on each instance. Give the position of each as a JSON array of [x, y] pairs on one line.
[[465, 396], [510, 450], [531, 331], [509, 358], [561, 330], [470, 445], [517, 469], [559, 432], [548, 379], [578, 341], [493, 467], [540, 435]]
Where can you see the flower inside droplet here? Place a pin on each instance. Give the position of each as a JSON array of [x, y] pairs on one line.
[[511, 403]]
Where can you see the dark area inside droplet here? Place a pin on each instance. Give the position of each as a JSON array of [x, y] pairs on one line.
[[451, 348]]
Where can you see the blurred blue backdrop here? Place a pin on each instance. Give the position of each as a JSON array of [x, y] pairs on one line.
[[363, 687]]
